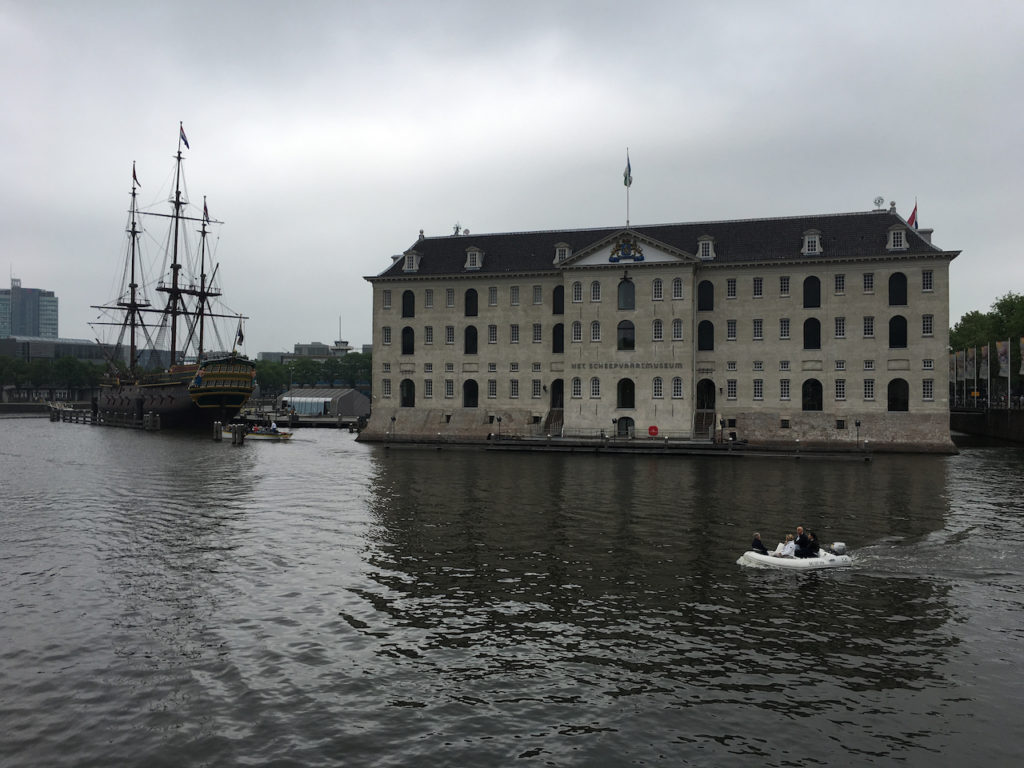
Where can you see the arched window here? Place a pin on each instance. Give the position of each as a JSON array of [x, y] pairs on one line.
[[577, 292], [657, 388], [558, 338], [812, 292], [471, 303], [625, 396], [577, 387], [577, 331], [469, 346], [677, 288], [657, 290], [408, 341], [897, 290], [595, 387], [408, 304], [626, 337], [595, 291], [811, 395], [705, 336], [705, 296], [407, 394], [657, 331], [812, 333], [558, 300], [677, 330], [595, 331], [677, 387], [627, 294], [470, 394], [898, 332], [899, 395]]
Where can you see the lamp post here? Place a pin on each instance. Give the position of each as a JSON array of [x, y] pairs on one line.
[[857, 425], [392, 427], [615, 428], [721, 423], [499, 427]]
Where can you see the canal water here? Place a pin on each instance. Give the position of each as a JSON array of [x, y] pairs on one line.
[[166, 600]]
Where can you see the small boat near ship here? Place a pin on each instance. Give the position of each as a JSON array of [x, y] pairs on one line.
[[160, 364], [833, 557], [263, 434]]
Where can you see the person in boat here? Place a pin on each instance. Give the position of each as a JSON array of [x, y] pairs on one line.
[[802, 543], [787, 549], [273, 426], [810, 547], [758, 546]]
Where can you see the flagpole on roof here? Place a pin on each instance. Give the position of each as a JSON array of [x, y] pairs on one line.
[[627, 179]]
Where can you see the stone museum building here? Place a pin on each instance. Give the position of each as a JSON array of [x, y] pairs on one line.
[[822, 331]]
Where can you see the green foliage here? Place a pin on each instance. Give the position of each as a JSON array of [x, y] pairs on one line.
[[64, 372], [346, 371], [1004, 322]]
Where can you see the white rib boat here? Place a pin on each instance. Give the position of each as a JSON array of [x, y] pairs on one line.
[[833, 557]]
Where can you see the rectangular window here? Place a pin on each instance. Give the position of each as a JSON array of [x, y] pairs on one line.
[[492, 334], [784, 285], [758, 287], [927, 325], [449, 297], [869, 282], [869, 327], [783, 365], [449, 334], [385, 387], [428, 298], [730, 330], [783, 389], [928, 365], [927, 280], [513, 388], [840, 284], [428, 334], [730, 365], [387, 367], [869, 365], [449, 367], [513, 333], [387, 298], [513, 295], [730, 389], [492, 296], [513, 367], [492, 367], [538, 294], [730, 288], [784, 328], [449, 389], [840, 365], [535, 367], [537, 333], [897, 239], [428, 388], [535, 389], [492, 389], [869, 389], [759, 365], [758, 329], [840, 323], [385, 335], [840, 389], [928, 389], [428, 367], [759, 389]]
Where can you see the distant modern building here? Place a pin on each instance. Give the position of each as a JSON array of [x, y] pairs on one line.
[[27, 311], [343, 403], [314, 350], [30, 348]]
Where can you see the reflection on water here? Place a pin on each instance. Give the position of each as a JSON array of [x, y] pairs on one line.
[[171, 600]]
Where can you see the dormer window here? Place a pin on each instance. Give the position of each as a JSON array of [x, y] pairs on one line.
[[474, 258], [562, 252], [411, 262], [706, 248], [897, 239], [812, 243]]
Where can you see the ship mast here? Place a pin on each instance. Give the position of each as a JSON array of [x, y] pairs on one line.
[[175, 302], [133, 307]]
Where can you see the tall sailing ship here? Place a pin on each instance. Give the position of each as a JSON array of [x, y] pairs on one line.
[[160, 363]]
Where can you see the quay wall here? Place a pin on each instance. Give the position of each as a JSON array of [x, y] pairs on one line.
[[1000, 423]]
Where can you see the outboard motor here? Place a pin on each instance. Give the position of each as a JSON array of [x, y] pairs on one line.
[[837, 548]]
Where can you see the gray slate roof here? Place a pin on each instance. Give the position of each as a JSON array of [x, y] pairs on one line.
[[843, 235]]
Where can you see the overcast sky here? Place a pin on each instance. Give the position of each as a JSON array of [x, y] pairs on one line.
[[327, 134]]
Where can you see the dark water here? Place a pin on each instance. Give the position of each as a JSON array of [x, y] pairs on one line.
[[171, 601]]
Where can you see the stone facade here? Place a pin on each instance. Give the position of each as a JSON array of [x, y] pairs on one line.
[[820, 331]]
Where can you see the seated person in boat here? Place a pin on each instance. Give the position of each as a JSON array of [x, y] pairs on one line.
[[758, 546], [787, 549], [810, 547]]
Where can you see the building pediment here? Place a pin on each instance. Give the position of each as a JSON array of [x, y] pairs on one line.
[[627, 246]]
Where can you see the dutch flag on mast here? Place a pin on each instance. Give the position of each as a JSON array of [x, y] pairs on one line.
[[912, 221], [184, 138]]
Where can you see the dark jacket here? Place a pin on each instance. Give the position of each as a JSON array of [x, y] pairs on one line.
[[757, 546], [803, 546]]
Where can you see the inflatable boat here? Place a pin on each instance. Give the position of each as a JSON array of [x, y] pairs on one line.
[[833, 557]]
